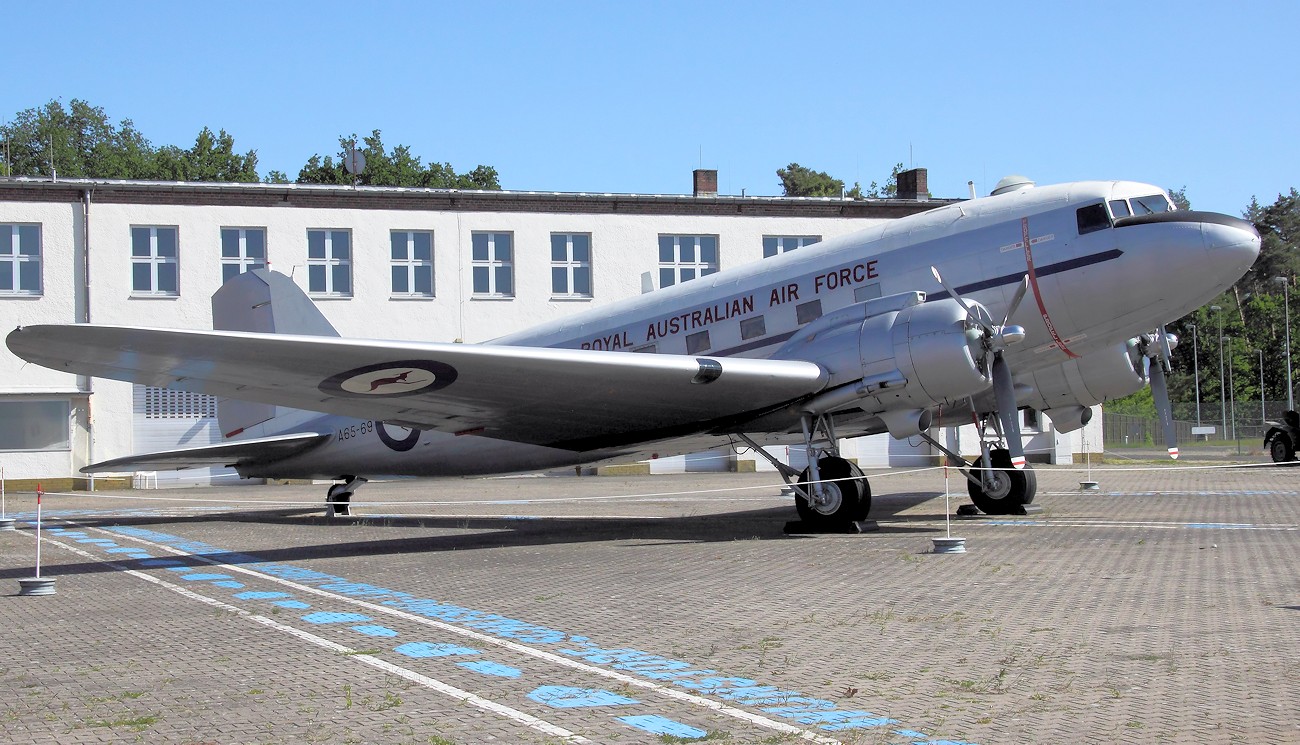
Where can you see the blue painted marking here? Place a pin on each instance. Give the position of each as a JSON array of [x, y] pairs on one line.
[[232, 584], [567, 697], [161, 563], [910, 733], [426, 649], [100, 541], [295, 604], [491, 668], [259, 595], [677, 673], [369, 630], [1219, 526], [204, 577], [327, 617], [180, 569], [657, 725]]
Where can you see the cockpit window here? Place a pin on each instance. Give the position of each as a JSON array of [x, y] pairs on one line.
[[1119, 208], [1151, 204], [1093, 218]]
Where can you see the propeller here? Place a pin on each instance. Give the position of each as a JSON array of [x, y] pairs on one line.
[[1160, 363], [995, 339]]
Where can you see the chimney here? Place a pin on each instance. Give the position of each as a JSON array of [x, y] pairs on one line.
[[706, 183], [913, 184]]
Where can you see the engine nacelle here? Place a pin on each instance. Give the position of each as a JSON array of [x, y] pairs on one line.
[[1086, 381], [895, 353]]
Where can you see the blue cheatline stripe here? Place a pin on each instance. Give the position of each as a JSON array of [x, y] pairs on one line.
[[492, 668], [657, 725], [428, 649], [787, 704], [568, 697]]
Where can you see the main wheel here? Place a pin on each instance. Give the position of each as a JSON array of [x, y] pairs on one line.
[[1008, 490], [338, 500], [1281, 448], [864, 492], [841, 501]]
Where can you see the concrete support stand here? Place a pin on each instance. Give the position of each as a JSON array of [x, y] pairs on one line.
[[36, 586], [949, 545], [6, 523]]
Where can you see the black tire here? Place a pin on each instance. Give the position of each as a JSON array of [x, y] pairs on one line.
[[1281, 448], [841, 486], [864, 492], [338, 501], [1012, 490]]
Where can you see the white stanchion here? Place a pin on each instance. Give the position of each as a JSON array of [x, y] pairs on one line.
[[949, 544], [6, 522], [37, 585]]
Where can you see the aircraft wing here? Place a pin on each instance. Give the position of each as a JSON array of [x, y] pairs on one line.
[[255, 450], [566, 398]]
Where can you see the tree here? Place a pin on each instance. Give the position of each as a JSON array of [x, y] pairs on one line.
[[212, 158], [798, 181], [77, 142], [396, 168]]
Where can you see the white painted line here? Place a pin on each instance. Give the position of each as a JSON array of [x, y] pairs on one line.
[[721, 708], [529, 720]]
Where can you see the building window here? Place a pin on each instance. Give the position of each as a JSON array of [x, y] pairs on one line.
[[685, 257], [242, 250], [329, 263], [35, 425], [154, 267], [20, 259], [570, 265], [779, 244], [412, 256], [493, 258]]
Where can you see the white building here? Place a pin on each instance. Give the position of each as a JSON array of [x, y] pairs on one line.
[[380, 262]]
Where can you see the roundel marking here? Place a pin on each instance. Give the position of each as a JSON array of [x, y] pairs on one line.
[[390, 379], [402, 445]]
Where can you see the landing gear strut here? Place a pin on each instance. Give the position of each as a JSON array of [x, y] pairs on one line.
[[831, 492], [338, 500], [994, 485]]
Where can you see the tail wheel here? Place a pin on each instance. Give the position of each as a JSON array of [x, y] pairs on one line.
[[841, 494], [1007, 490]]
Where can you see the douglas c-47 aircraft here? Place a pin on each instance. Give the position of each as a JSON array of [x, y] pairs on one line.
[[877, 331]]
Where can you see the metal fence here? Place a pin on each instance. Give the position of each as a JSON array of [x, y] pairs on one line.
[[1120, 430]]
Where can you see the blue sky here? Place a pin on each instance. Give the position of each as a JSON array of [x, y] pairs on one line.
[[630, 97]]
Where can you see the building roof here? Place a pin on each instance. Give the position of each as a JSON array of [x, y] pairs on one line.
[[319, 196]]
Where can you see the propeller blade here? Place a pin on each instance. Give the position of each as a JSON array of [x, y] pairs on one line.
[[953, 294], [1160, 394], [1166, 351], [1005, 393], [1015, 300]]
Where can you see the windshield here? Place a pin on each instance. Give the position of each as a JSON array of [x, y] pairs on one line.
[[1151, 204]]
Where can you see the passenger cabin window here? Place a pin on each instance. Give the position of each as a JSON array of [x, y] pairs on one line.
[[808, 312], [752, 327], [1092, 218], [697, 342]]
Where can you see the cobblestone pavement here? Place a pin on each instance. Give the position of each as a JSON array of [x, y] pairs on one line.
[[1163, 608]]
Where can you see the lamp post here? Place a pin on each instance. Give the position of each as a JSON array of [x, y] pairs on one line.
[[1232, 394], [1286, 302], [1223, 395], [1196, 375], [1262, 414]]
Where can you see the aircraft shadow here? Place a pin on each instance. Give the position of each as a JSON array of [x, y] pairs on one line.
[[485, 532]]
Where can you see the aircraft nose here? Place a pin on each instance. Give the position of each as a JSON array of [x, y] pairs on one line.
[[1230, 241]]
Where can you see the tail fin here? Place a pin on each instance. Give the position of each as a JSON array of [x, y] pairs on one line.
[[268, 302]]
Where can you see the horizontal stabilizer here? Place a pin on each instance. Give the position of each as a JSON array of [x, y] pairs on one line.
[[233, 453]]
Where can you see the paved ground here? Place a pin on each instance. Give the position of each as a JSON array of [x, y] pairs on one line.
[[659, 609]]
